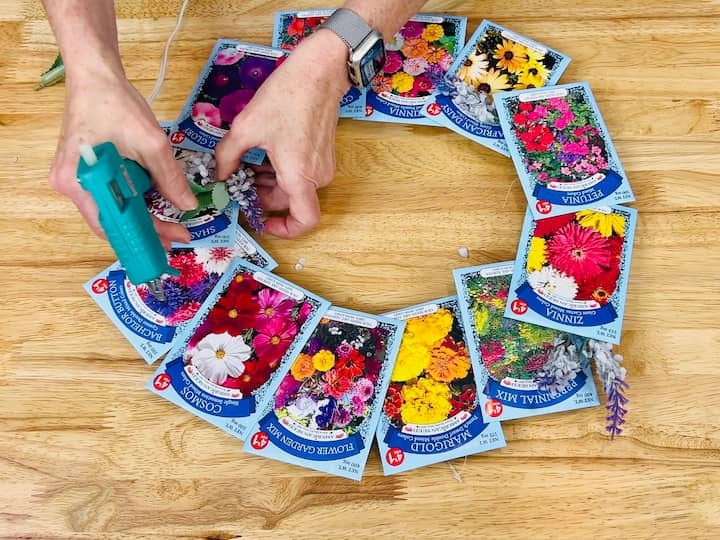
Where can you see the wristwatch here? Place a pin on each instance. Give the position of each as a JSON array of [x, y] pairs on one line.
[[366, 46]]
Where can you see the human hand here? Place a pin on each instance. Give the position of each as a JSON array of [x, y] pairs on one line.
[[293, 117]]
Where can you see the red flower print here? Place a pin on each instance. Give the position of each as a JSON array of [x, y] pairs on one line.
[[393, 402], [462, 402], [191, 271], [296, 27], [274, 338], [244, 283], [312, 22], [520, 119], [255, 375], [351, 365], [335, 384], [525, 107], [546, 226], [580, 252], [600, 287], [234, 313]]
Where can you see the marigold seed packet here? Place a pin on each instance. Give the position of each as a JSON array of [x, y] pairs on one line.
[[325, 411], [572, 271], [234, 352], [562, 150], [432, 407], [291, 27], [150, 324], [227, 83], [517, 358], [415, 66], [493, 61]]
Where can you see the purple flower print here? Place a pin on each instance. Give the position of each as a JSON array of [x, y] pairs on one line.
[[232, 104], [254, 71]]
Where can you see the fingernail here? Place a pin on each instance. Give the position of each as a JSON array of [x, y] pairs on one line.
[[188, 201]]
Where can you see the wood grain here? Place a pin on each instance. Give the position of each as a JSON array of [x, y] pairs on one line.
[[86, 452]]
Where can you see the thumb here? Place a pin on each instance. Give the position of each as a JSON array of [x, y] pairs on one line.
[[230, 150]]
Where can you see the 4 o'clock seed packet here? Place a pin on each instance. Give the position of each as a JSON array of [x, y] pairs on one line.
[[324, 413], [432, 407], [516, 357]]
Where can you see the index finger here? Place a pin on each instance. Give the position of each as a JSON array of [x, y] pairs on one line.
[[303, 216]]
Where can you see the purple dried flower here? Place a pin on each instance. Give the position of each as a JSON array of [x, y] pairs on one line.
[[616, 407]]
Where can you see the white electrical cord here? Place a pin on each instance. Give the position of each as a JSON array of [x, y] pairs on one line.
[[164, 61]]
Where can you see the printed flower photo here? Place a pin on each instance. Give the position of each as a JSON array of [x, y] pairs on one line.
[[245, 335], [332, 384], [433, 378], [293, 28]]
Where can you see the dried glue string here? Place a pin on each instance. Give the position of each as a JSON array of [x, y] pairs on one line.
[[163, 63]]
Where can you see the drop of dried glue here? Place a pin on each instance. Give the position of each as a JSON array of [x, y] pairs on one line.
[[463, 252], [299, 266]]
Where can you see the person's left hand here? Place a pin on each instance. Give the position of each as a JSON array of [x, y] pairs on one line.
[[293, 118]]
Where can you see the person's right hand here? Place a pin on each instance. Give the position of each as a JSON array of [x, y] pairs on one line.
[[103, 106]]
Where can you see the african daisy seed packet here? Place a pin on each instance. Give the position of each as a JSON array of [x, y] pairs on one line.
[[493, 61], [518, 359], [324, 413], [562, 150], [572, 271], [232, 355], [231, 76], [432, 407], [291, 27], [151, 324]]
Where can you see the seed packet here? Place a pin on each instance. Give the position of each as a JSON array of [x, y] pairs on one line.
[[562, 149], [416, 63], [324, 413], [291, 27], [229, 80], [150, 324], [432, 408], [517, 358], [234, 352], [494, 60], [572, 272]]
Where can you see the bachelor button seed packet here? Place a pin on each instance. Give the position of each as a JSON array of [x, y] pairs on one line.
[[324, 413], [493, 61], [562, 150], [415, 66], [150, 324], [432, 407], [232, 355], [289, 30], [572, 272], [229, 80], [517, 357]]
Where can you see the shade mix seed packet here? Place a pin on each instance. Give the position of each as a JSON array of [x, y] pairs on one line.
[[324, 413], [562, 150], [229, 359], [432, 407], [150, 324], [494, 60], [572, 271], [227, 83], [516, 357], [291, 27]]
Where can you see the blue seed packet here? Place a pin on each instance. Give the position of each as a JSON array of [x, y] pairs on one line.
[[432, 407], [227, 83], [227, 362], [562, 150], [516, 358], [416, 64], [572, 271], [291, 27], [494, 60], [325, 411], [151, 325]]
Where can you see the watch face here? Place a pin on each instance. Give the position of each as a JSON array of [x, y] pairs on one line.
[[373, 62]]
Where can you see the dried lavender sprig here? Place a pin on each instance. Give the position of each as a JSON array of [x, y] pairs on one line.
[[616, 407], [562, 366], [241, 187]]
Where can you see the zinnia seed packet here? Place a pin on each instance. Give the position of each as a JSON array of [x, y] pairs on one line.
[[432, 407], [562, 150], [151, 325], [234, 352], [324, 413], [493, 61], [415, 67], [227, 83], [572, 271], [517, 358], [291, 27]]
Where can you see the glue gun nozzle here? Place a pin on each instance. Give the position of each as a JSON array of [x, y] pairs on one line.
[[155, 286]]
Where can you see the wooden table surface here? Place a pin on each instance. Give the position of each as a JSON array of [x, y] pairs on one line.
[[85, 450]]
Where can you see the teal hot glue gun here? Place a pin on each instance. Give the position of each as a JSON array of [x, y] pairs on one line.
[[117, 184]]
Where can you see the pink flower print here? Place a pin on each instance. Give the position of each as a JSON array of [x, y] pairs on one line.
[[596, 150], [273, 304], [415, 66], [358, 406], [393, 62], [541, 111], [185, 313], [412, 30], [206, 112], [445, 62], [229, 56], [566, 171], [543, 176]]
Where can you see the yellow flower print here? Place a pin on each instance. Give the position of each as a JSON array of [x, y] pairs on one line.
[[482, 315], [492, 81], [537, 256], [511, 56], [412, 359], [402, 82], [323, 360], [425, 402], [433, 32], [474, 67], [605, 224]]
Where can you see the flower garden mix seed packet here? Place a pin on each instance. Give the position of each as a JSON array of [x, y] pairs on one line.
[[229, 359], [415, 66], [289, 30], [229, 80], [149, 324], [572, 272], [432, 407], [493, 61], [516, 356], [562, 150], [324, 413]]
